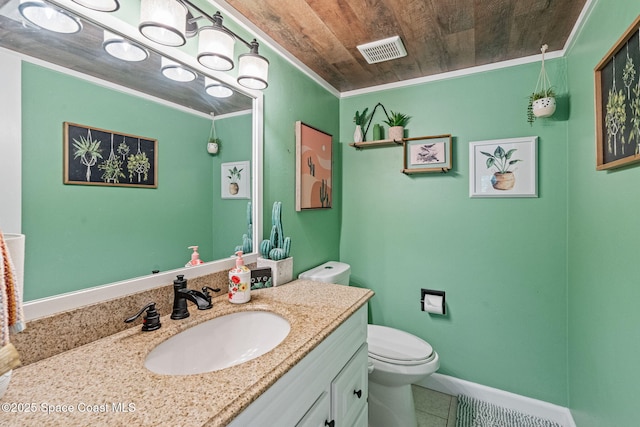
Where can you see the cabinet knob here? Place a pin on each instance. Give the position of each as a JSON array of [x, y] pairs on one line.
[[358, 393], [331, 423]]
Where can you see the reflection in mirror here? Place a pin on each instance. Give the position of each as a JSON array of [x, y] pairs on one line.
[[85, 236]]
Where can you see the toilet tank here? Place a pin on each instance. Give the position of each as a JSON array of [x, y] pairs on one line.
[[329, 272]]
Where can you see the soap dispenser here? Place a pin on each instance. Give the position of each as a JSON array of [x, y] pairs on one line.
[[195, 258], [239, 282]]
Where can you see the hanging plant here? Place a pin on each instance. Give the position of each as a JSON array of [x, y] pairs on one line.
[[214, 142], [138, 166], [542, 102], [88, 150], [112, 167]]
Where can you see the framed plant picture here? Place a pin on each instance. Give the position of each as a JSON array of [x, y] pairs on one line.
[[427, 154], [617, 81], [503, 168], [314, 162], [94, 156], [235, 180]]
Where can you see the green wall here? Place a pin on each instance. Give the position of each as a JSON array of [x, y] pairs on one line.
[[68, 225], [501, 261], [527, 280], [604, 338], [292, 96], [229, 215]]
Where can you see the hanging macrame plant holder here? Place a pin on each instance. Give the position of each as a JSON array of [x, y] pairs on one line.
[[543, 101], [214, 143]]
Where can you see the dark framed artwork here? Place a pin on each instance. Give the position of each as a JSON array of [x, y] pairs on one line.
[[94, 156], [314, 158], [617, 90]]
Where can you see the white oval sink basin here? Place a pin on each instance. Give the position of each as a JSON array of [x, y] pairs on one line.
[[218, 343]]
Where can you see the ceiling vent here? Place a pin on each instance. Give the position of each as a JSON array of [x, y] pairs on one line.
[[383, 50]]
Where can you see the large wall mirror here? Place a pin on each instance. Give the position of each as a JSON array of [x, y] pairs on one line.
[[82, 236]]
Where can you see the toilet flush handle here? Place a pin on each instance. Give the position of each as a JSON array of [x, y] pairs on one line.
[[358, 393], [331, 423]]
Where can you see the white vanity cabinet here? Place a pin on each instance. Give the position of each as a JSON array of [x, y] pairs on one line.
[[328, 387]]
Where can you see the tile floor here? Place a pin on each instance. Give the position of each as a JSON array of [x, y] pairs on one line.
[[434, 409]]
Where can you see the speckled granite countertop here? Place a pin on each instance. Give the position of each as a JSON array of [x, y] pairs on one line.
[[105, 383]]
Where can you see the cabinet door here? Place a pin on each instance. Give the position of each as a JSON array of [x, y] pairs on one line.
[[363, 418], [318, 414], [349, 390]]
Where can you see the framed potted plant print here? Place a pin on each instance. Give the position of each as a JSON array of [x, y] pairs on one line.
[[503, 168], [235, 179]]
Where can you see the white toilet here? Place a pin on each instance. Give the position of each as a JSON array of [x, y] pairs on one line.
[[399, 359]]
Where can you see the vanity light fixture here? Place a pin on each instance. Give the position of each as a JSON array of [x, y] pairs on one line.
[[253, 69], [175, 71], [216, 89], [49, 17], [171, 22], [121, 48], [215, 46], [164, 21], [99, 5]]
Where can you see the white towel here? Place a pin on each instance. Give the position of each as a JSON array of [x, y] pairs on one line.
[[11, 314]]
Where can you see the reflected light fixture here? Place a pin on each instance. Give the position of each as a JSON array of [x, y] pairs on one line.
[[215, 46], [49, 17], [174, 71], [164, 21], [121, 48], [216, 89], [99, 5]]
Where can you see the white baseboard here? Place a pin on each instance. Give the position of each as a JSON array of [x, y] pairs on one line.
[[455, 386]]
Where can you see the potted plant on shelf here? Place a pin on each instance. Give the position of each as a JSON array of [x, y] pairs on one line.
[[360, 120], [396, 123], [542, 102], [503, 178]]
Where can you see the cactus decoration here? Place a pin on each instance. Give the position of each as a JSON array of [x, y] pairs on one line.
[[324, 194], [312, 167], [247, 240], [277, 247]]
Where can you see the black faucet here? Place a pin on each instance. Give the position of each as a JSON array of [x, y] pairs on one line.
[[181, 294]]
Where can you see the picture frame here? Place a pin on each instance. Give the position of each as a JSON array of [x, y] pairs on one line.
[[314, 164], [617, 93], [94, 156], [504, 167], [235, 180], [427, 154]]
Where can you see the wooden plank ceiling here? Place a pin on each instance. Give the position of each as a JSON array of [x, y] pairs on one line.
[[439, 35]]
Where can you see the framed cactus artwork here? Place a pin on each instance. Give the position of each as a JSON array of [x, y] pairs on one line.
[[617, 79], [314, 158], [235, 178]]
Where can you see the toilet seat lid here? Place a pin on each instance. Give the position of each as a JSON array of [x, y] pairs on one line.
[[396, 345]]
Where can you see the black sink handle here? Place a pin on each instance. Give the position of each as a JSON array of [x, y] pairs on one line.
[[151, 320], [206, 289]]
